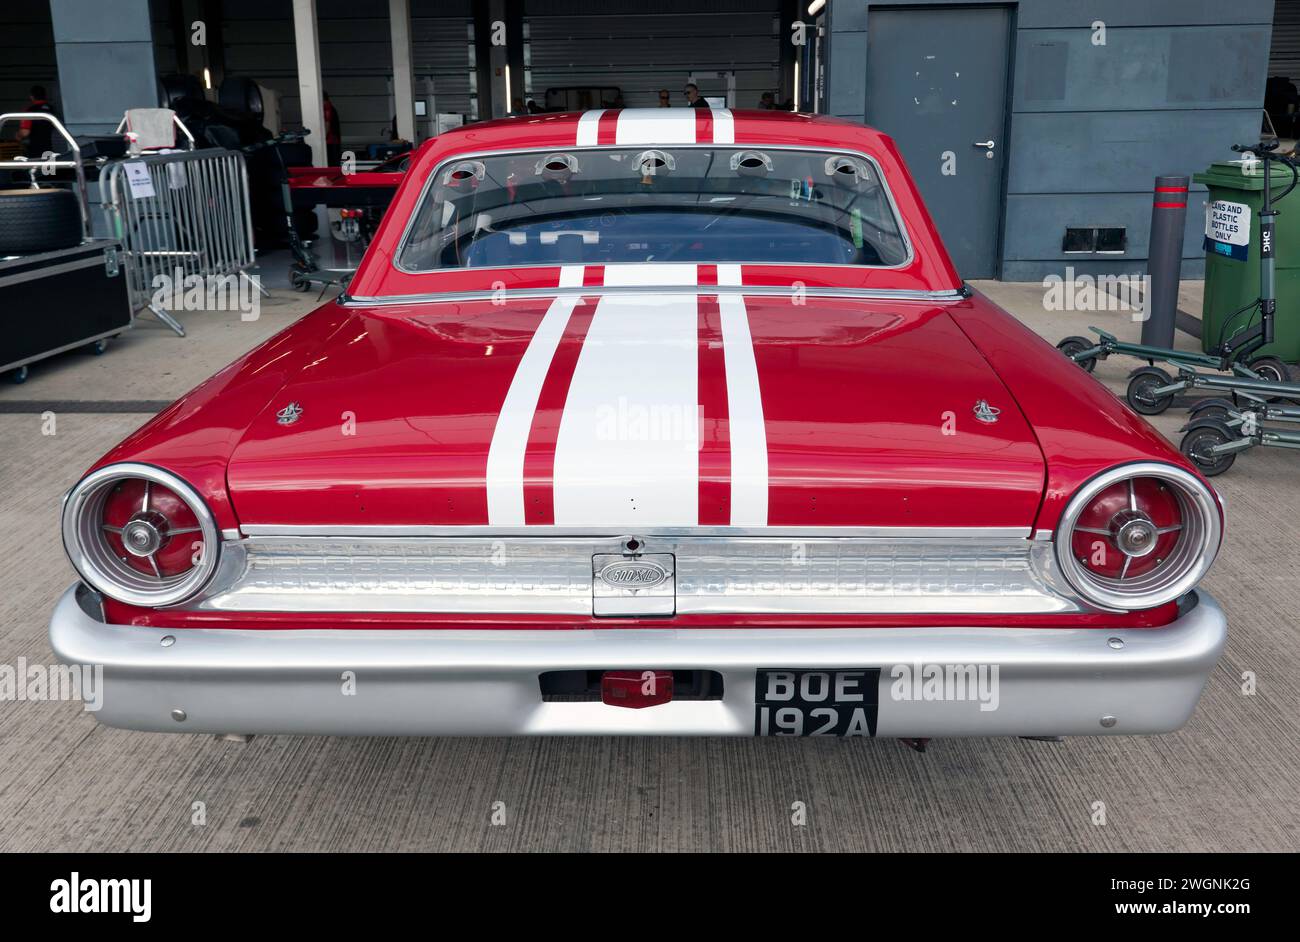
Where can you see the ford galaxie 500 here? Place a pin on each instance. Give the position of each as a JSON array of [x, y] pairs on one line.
[[648, 422]]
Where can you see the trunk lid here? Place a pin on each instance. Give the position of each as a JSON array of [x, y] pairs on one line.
[[636, 410]]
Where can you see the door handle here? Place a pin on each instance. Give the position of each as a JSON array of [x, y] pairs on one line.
[[986, 144]]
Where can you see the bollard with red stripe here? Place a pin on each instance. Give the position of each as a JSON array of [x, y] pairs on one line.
[[1165, 259]]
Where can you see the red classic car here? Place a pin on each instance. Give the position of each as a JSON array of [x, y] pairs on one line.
[[648, 422]]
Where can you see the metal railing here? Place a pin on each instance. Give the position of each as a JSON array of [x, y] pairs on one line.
[[190, 217], [48, 164]]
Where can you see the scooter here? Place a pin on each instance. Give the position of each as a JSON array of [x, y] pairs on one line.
[[1223, 428], [1151, 389]]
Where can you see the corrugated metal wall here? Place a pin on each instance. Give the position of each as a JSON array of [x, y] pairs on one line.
[[356, 57], [617, 42], [26, 55], [1284, 56]]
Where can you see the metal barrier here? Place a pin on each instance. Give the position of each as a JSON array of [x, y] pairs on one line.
[[191, 216]]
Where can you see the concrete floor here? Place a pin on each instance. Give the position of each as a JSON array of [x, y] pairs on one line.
[[1227, 782]]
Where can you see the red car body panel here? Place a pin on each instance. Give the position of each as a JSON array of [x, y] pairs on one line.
[[867, 402], [1080, 425], [854, 419]]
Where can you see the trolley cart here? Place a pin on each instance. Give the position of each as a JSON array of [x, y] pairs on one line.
[[305, 269], [61, 289]]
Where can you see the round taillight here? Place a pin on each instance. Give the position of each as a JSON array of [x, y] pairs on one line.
[[1138, 536], [140, 535]]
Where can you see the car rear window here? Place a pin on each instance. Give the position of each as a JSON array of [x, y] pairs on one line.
[[654, 204]]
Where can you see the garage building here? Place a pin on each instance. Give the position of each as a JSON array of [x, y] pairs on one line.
[[1035, 128]]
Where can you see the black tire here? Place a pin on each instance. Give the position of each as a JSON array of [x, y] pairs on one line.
[[1073, 345], [34, 221], [1140, 397], [1272, 369], [298, 281], [241, 95], [1201, 435]]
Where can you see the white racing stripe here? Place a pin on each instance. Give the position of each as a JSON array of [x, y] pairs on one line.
[[749, 478], [505, 462], [628, 447], [641, 275], [588, 125], [724, 127], [655, 126]]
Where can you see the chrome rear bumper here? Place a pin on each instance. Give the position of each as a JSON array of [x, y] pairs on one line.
[[485, 682]]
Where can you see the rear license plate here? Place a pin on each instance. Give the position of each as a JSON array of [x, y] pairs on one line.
[[816, 702]]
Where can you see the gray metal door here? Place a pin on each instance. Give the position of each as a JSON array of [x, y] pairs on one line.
[[937, 84]]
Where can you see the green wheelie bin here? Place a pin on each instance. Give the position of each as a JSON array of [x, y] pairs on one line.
[[1232, 255]]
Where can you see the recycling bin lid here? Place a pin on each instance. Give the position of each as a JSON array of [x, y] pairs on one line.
[[1236, 175]]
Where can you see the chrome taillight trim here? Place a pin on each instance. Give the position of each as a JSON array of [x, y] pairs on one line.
[[713, 574], [99, 568], [1193, 554]]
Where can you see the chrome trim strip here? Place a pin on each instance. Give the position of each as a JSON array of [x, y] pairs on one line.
[[782, 291], [553, 575], [1051, 681], [738, 145], [947, 533]]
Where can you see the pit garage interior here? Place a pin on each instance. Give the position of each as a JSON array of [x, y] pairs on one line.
[[1080, 130], [1084, 106]]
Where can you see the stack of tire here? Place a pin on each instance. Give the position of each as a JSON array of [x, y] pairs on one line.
[[34, 221]]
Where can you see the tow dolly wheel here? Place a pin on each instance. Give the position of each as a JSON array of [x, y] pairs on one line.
[[1202, 436], [19, 375], [97, 348], [1142, 386], [1072, 346], [298, 280]]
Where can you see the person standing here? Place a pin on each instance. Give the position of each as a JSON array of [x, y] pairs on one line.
[[693, 96], [37, 137], [767, 102], [665, 99]]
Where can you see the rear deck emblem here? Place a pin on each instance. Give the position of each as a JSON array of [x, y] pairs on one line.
[[986, 413], [289, 414], [633, 574]]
